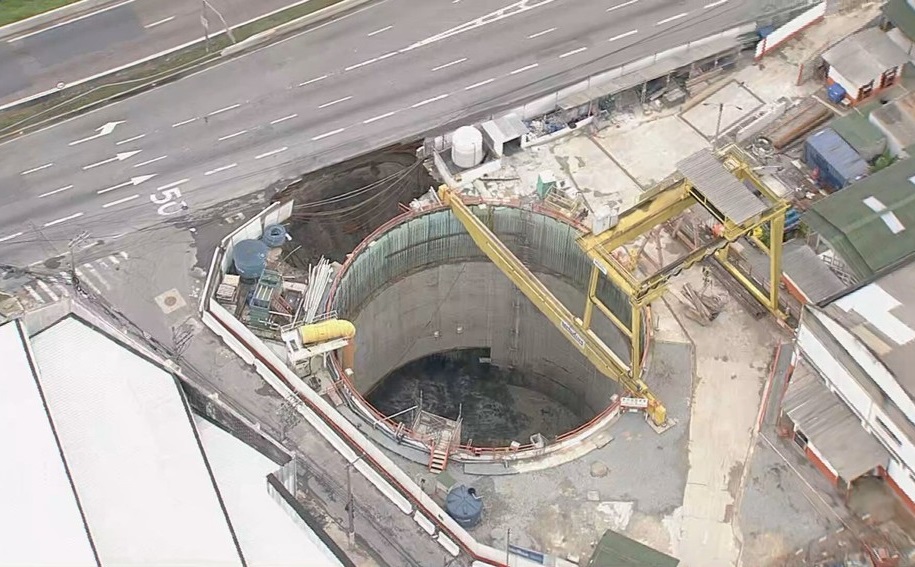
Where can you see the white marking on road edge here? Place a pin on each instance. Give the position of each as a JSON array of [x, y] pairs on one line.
[[65, 219], [223, 168], [271, 152], [540, 33], [283, 119], [34, 169], [134, 139], [573, 52], [525, 68], [149, 161], [119, 201], [480, 84], [327, 134], [623, 5], [239, 133], [226, 109], [429, 101], [379, 117], [160, 22], [33, 293], [713, 4], [172, 184], [672, 18], [61, 190], [84, 16], [382, 30], [622, 35], [315, 80], [47, 289], [333, 102], [446, 65], [10, 237]]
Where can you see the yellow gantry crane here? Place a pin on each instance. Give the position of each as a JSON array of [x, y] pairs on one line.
[[719, 182]]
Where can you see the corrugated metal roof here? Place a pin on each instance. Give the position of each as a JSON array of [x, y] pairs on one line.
[[830, 425], [40, 521], [616, 550], [720, 186], [902, 15], [801, 265], [860, 134], [864, 56], [897, 120], [838, 154], [862, 222], [128, 438]]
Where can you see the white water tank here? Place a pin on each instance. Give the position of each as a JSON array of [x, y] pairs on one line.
[[467, 147]]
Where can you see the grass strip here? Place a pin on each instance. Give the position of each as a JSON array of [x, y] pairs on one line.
[[141, 77], [16, 10]]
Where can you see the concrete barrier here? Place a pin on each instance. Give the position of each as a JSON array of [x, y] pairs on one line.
[[38, 20]]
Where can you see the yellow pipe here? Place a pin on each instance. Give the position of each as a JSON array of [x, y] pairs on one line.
[[330, 330]]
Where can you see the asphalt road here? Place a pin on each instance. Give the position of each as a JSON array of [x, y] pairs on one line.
[[110, 37], [384, 73]]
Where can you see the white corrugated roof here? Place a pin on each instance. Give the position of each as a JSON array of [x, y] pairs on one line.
[[129, 442], [40, 523], [267, 535]]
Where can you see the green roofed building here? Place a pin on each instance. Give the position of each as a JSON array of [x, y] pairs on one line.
[[870, 225], [617, 550], [902, 15]]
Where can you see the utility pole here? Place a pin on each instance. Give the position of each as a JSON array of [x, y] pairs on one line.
[[79, 238], [205, 23], [203, 20], [508, 538]]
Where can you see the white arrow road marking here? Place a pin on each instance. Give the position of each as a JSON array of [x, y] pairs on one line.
[[54, 192], [133, 181], [10, 237], [118, 157], [65, 219], [119, 201], [102, 131], [34, 169]]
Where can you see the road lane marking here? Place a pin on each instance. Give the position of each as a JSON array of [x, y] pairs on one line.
[[713, 4], [283, 119], [223, 168], [117, 157], [315, 80], [172, 184], [480, 84], [64, 219], [114, 260], [70, 21], [54, 192], [128, 140], [160, 22], [327, 134], [102, 131], [333, 102], [379, 117], [149, 161], [429, 100], [33, 293], [358, 65], [382, 30], [672, 18], [623, 5], [540, 33], [97, 275], [230, 136], [132, 181], [573, 52], [226, 109], [83, 279], [446, 65], [622, 35], [122, 254], [47, 289], [271, 152], [183, 122], [120, 201], [525, 68], [10, 237], [34, 169]]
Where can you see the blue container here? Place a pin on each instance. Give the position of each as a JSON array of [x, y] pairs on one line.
[[835, 93], [835, 164], [464, 506], [250, 259], [274, 235]]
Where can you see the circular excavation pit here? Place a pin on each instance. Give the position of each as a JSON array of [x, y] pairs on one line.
[[440, 327]]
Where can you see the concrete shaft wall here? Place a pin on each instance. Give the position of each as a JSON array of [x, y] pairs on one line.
[[426, 276]]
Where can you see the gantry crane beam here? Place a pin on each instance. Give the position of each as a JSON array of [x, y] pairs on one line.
[[589, 344]]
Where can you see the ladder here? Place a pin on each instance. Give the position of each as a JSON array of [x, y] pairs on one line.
[[438, 460]]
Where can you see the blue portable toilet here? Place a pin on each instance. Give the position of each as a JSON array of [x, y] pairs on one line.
[[835, 93], [834, 162]]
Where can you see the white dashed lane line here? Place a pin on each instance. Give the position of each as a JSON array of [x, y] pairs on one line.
[[480, 84], [379, 117], [226, 109], [172, 184], [525, 68], [230, 136], [713, 4], [333, 102], [183, 122], [223, 168], [672, 18], [446, 65], [382, 30], [573, 52], [149, 161], [56, 191], [622, 35], [271, 153], [429, 100], [623, 5], [65, 219], [34, 169], [283, 119], [311, 81], [128, 140], [120, 201], [159, 22], [327, 134], [540, 33], [10, 237]]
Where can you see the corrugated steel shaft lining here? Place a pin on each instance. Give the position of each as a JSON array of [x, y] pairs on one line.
[[722, 189], [543, 243]]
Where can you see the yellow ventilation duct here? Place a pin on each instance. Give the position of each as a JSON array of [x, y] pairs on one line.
[[330, 330]]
